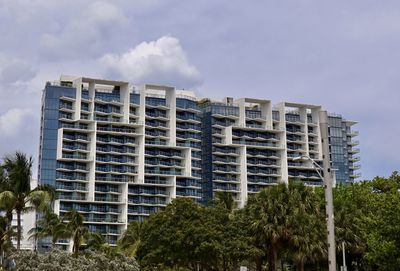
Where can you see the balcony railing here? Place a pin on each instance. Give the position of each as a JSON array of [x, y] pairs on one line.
[[119, 130]]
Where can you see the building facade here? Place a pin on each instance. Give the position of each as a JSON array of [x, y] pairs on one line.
[[343, 149], [117, 153]]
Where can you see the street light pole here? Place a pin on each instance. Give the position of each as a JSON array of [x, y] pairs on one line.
[[328, 180]]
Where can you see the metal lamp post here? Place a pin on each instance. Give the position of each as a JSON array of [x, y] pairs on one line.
[[328, 183]]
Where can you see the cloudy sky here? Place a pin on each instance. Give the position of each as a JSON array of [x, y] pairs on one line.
[[341, 54]]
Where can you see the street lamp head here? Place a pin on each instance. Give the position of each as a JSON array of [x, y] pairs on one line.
[[298, 158]]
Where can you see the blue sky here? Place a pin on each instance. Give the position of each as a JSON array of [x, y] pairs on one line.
[[341, 54]]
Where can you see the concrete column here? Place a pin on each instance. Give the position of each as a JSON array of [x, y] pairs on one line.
[[243, 176]]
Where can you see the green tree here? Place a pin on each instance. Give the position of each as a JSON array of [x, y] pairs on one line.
[[307, 227], [226, 200], [95, 241], [19, 196], [75, 229], [269, 220], [5, 205], [177, 238], [131, 239], [285, 220], [5, 239], [383, 225], [50, 225]]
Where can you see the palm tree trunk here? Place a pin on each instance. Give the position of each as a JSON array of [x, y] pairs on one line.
[[18, 229], [9, 216], [300, 265], [259, 264], [76, 246], [273, 258]]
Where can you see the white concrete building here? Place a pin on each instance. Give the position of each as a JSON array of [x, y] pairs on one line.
[[117, 153], [28, 222]]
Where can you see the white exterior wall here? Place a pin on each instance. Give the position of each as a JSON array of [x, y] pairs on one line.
[[28, 222]]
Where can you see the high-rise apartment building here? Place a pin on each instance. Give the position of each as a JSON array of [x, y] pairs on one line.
[[117, 153], [343, 149]]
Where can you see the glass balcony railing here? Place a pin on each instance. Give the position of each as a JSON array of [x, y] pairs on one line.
[[225, 187]]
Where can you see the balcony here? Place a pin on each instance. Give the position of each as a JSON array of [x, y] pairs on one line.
[[225, 151], [108, 119], [261, 162], [107, 190], [219, 178], [147, 201], [74, 126], [71, 197], [116, 130], [107, 99], [66, 107], [355, 167], [353, 143], [106, 199], [156, 103], [154, 192], [294, 131], [352, 133], [74, 156], [188, 118], [162, 172], [258, 180], [65, 116], [354, 158], [225, 187], [188, 194], [259, 144], [72, 167], [156, 115], [75, 137], [71, 187], [188, 127], [115, 160], [158, 182], [71, 177], [354, 150], [75, 147], [115, 179], [189, 144], [355, 175]]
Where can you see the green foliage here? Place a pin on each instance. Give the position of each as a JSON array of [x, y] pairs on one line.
[[382, 226], [131, 239], [63, 261], [187, 235], [281, 224], [287, 221], [16, 194]]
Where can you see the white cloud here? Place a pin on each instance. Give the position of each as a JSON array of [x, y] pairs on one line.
[[85, 35], [15, 71], [11, 122], [161, 61]]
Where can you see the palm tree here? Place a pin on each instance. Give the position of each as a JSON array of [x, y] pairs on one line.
[[270, 221], [5, 239], [6, 206], [96, 241], [225, 199], [307, 229], [49, 226], [131, 239], [76, 229], [19, 196]]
